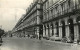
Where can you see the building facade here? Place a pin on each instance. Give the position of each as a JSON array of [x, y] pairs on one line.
[[61, 18], [58, 18], [30, 23]]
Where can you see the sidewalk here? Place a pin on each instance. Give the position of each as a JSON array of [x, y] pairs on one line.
[[72, 46], [49, 42], [58, 44]]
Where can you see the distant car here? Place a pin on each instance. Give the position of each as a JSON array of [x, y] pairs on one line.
[[32, 36], [45, 37], [26, 35], [55, 38]]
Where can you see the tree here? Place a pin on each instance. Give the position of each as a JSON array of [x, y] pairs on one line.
[[1, 32]]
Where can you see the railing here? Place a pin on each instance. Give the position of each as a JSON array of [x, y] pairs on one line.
[[68, 10]]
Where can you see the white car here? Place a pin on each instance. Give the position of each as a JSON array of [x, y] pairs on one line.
[[55, 38]]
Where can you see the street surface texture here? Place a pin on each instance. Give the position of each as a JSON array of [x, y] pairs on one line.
[[34, 44]]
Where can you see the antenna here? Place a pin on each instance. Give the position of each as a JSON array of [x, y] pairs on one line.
[[0, 26], [15, 14]]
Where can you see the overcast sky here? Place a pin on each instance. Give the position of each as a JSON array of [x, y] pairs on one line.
[[11, 8]]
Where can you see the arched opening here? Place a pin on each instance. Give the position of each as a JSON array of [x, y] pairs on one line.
[[48, 30], [63, 29], [78, 21], [71, 28], [45, 29], [41, 30], [57, 29]]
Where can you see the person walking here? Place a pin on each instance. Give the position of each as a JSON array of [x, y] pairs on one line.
[[28, 35]]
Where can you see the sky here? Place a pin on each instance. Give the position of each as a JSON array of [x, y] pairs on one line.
[[11, 11]]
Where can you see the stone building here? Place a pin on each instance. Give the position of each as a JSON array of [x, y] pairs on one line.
[[31, 22], [58, 18], [61, 18]]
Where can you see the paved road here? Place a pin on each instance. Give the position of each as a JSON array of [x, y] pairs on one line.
[[31, 44]]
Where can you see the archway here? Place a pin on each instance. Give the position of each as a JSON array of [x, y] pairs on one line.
[[78, 21], [71, 28], [57, 29], [41, 30], [63, 29], [48, 30]]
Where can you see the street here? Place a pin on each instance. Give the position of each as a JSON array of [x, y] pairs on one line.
[[31, 44]]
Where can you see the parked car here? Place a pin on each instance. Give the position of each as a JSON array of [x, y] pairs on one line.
[[32, 36], [69, 40], [55, 38], [45, 37]]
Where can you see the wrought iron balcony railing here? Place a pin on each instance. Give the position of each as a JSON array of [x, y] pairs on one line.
[[69, 11]]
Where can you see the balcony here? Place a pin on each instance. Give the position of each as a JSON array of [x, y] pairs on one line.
[[67, 12]]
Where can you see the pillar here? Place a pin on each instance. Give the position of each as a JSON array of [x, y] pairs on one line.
[[44, 31], [66, 28], [55, 30], [50, 30], [76, 31], [38, 32], [60, 29]]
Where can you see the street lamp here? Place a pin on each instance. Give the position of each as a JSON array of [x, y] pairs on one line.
[[69, 23]]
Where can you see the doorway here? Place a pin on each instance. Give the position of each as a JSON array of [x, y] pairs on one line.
[[71, 29], [63, 29]]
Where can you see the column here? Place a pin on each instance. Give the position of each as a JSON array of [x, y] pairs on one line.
[[44, 31], [67, 28], [76, 31], [50, 30], [38, 20], [55, 30], [60, 29], [38, 32]]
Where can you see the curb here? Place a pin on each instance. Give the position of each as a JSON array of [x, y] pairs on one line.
[[49, 42]]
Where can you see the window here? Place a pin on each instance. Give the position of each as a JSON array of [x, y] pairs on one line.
[[69, 2], [47, 15], [47, 4], [44, 16], [50, 2], [79, 1], [51, 12], [62, 6], [44, 6], [56, 10]]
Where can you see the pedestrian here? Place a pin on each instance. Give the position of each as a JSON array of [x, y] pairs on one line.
[[77, 41], [40, 37], [28, 35], [0, 39]]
